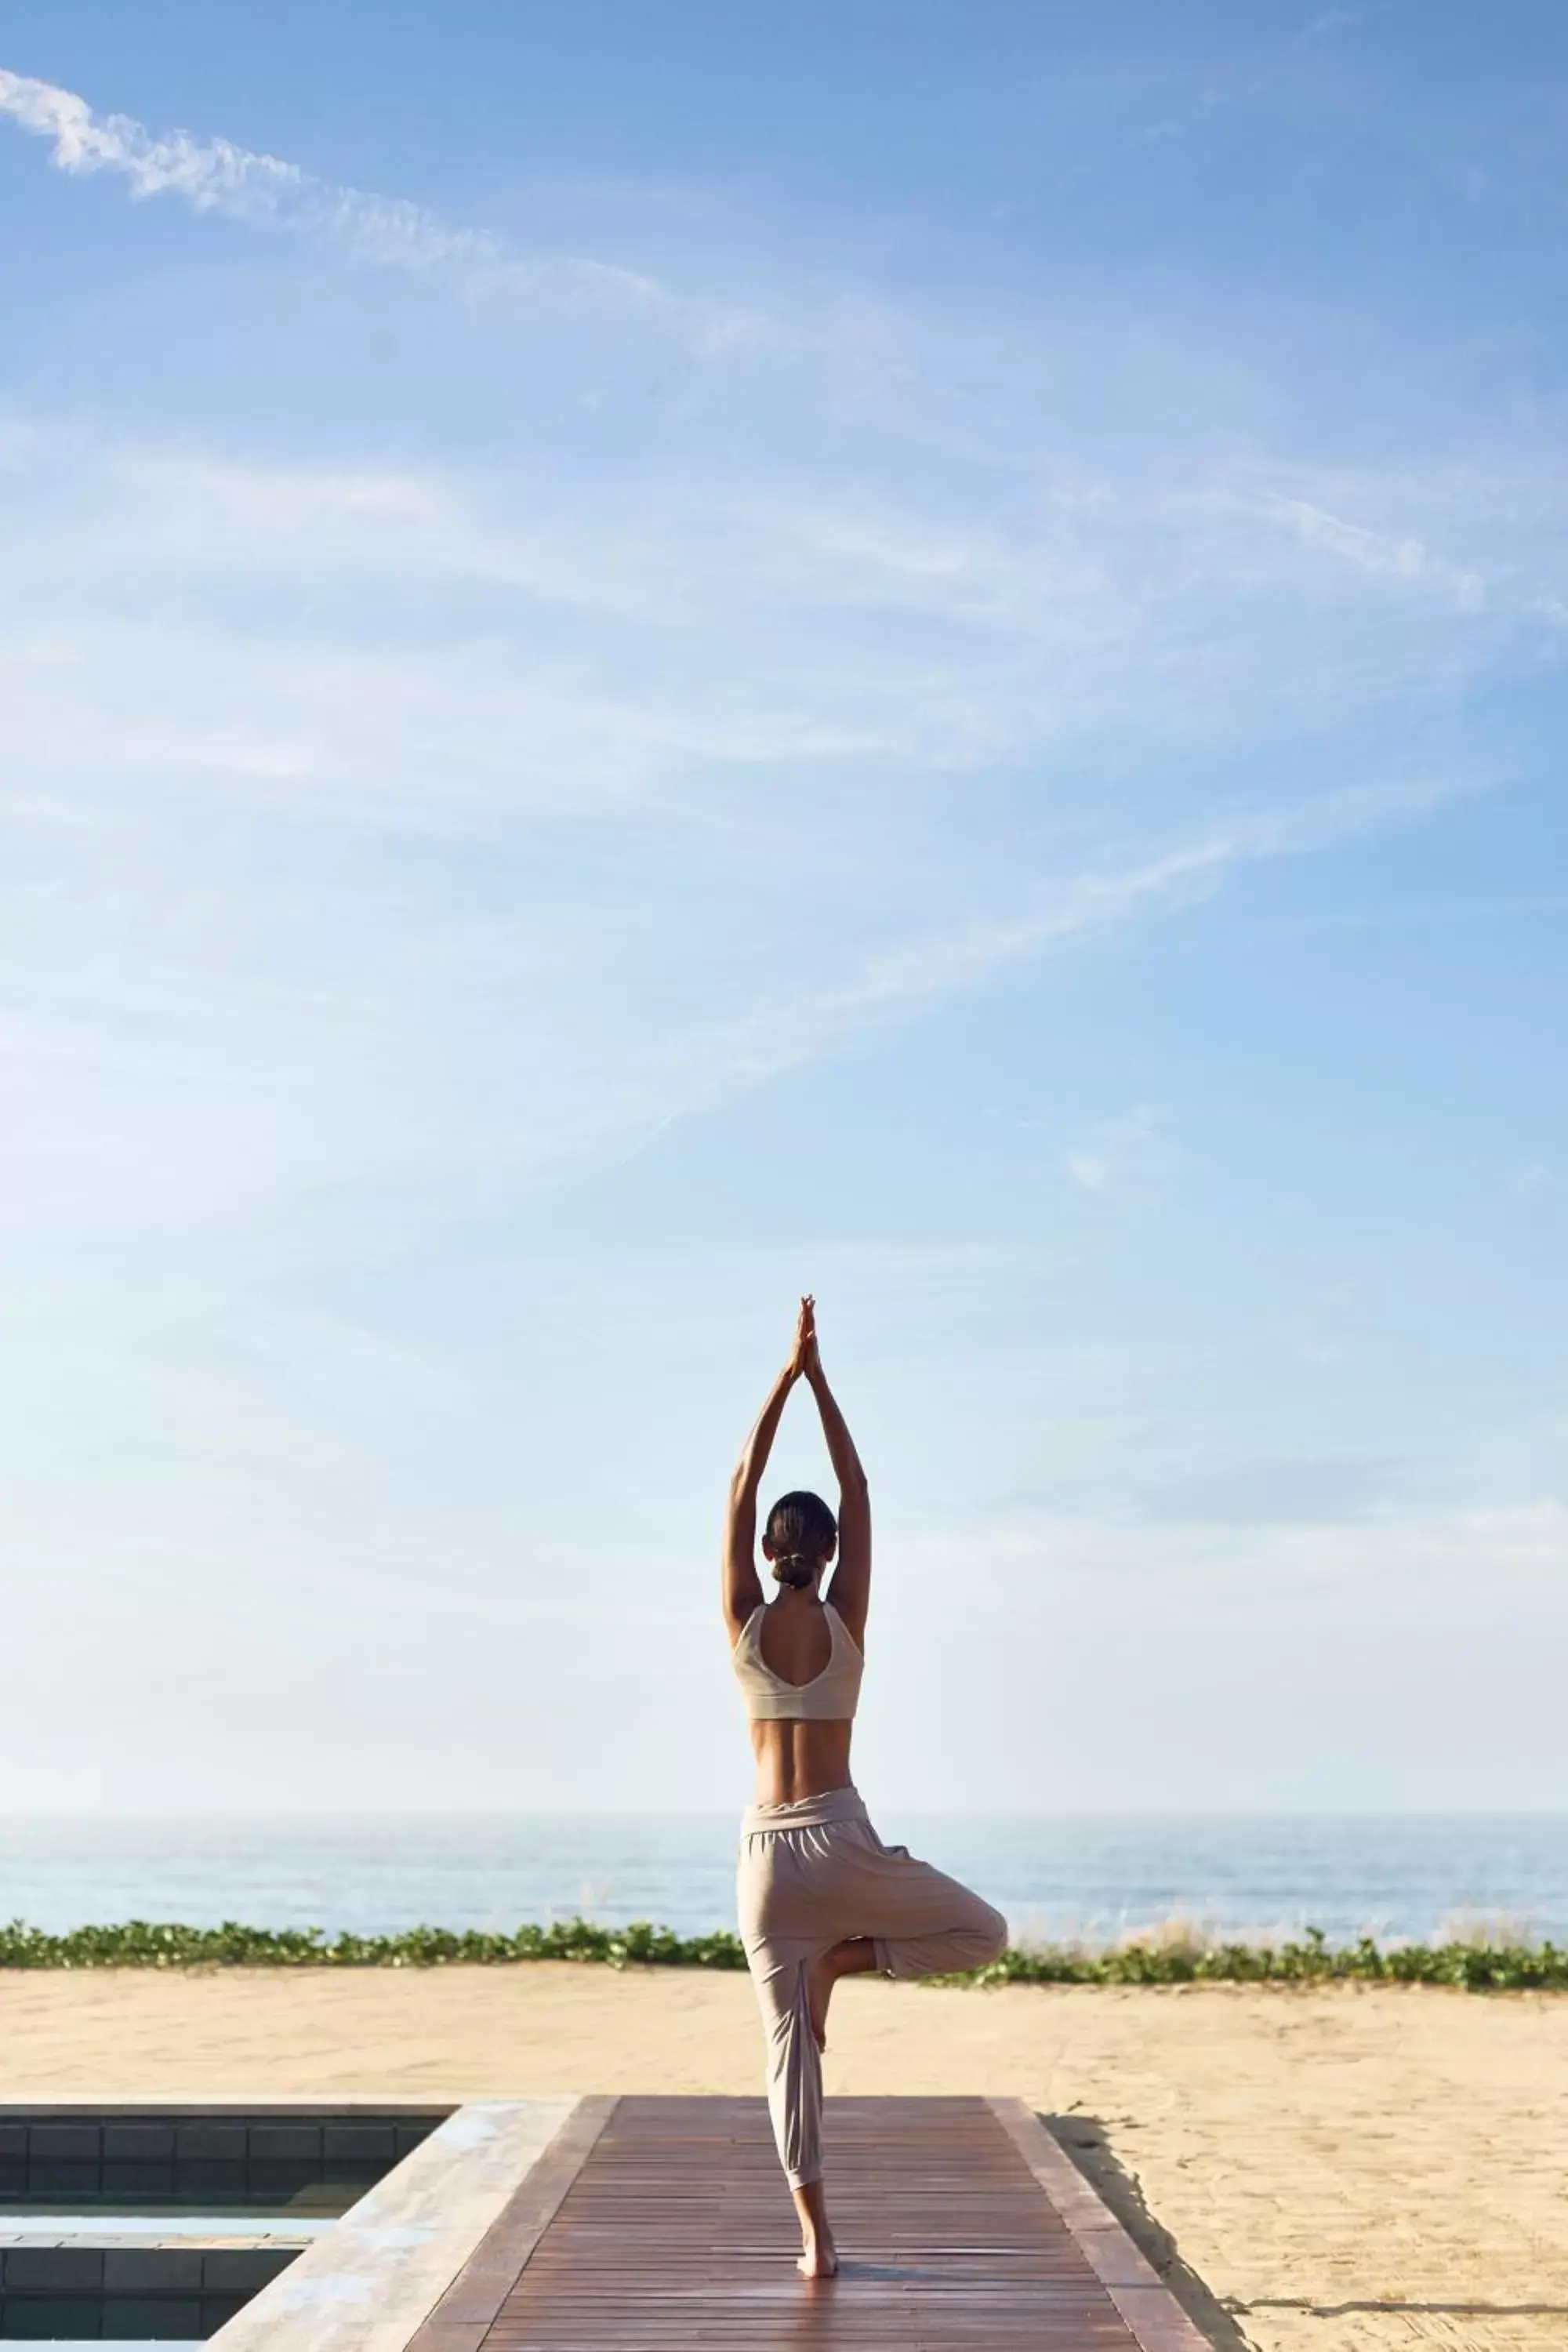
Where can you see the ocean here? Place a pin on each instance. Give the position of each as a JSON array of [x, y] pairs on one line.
[[1408, 1876]]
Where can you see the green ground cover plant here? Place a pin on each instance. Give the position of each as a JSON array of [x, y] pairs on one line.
[[1474, 1965]]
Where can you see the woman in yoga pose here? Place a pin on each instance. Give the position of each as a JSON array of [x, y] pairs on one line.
[[820, 1896]]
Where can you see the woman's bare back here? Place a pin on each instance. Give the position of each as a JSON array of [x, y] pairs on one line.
[[799, 1759]]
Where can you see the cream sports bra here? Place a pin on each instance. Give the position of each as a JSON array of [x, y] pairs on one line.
[[829, 1697]]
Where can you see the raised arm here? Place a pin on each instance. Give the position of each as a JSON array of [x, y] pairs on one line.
[[740, 1588], [849, 1589]]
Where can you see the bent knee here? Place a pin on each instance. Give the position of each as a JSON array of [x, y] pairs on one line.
[[989, 1938]]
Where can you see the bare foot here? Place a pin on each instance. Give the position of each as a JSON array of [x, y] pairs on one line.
[[820, 2255]]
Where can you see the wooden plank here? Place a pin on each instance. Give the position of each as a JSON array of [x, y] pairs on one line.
[[678, 2231], [1154, 2317], [465, 2313], [372, 2281]]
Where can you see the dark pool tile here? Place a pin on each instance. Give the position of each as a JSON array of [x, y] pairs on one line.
[[285, 2144], [155, 2182], [359, 2143], [281, 2179], [65, 2143], [151, 2270], [37, 2317], [138, 2143], [53, 2270], [49, 2180], [200, 2140], [210, 2178], [144, 2317], [244, 2270]]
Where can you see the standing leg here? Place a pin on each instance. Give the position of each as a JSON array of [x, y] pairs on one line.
[[852, 1956], [782, 1972], [818, 2256]]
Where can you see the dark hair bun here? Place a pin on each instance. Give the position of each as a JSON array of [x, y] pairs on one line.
[[800, 1529]]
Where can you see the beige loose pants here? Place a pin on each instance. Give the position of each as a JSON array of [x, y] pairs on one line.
[[810, 1874]]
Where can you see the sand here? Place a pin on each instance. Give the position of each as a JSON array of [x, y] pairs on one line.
[[1354, 2166]]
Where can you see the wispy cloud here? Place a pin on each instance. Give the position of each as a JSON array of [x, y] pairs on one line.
[[1133, 1158], [1387, 558], [1127, 1158], [1375, 1556], [654, 693], [1329, 20], [1331, 1491], [191, 1042], [1531, 1179], [208, 614], [215, 176]]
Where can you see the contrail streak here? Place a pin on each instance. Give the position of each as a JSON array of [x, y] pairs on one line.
[[215, 176]]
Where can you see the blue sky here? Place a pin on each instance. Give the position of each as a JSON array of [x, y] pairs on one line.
[[650, 658]]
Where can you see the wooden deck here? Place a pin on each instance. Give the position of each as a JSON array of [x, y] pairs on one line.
[[659, 2222]]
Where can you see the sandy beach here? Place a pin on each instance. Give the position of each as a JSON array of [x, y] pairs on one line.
[[1345, 2167]]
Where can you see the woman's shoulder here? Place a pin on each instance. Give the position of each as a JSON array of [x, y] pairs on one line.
[[856, 1640], [747, 1628]]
